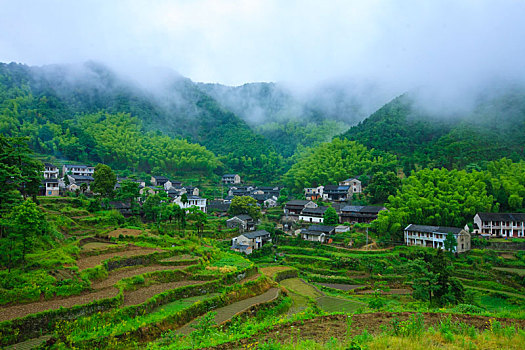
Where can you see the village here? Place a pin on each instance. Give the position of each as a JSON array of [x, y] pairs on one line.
[[324, 212]]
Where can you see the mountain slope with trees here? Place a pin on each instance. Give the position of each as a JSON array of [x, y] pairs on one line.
[[493, 129]]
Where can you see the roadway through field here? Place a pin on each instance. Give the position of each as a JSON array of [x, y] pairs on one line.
[[229, 311]]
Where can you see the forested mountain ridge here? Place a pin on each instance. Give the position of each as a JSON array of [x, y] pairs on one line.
[[493, 129], [291, 117], [47, 103]]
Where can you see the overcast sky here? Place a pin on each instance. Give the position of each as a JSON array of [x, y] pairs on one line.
[[233, 42]]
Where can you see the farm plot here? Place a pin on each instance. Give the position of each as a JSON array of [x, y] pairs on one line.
[[127, 272], [17, 311], [97, 246], [92, 261], [340, 286], [126, 232], [518, 271], [334, 304], [300, 287], [227, 312], [393, 291], [270, 271], [141, 295]]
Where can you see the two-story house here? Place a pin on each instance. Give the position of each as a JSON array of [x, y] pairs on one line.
[[313, 214], [50, 171], [243, 222], [193, 201], [336, 192], [249, 241], [231, 179], [360, 213], [355, 185], [161, 181], [80, 170], [500, 224], [313, 193], [434, 236], [295, 207]]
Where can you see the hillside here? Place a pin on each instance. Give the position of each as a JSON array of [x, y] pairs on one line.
[[493, 129], [47, 103], [292, 117]]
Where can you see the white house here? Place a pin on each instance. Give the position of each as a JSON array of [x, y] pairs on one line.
[[249, 241], [81, 170], [193, 201], [50, 171], [500, 224], [314, 215], [313, 193], [317, 233], [434, 236]]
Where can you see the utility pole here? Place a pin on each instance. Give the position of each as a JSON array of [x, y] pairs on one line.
[[367, 238]]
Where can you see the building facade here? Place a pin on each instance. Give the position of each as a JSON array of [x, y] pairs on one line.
[[500, 224], [434, 237]]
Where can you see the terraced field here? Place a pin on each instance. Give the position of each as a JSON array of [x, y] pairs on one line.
[[117, 275], [142, 294], [227, 312], [21, 310], [92, 261]]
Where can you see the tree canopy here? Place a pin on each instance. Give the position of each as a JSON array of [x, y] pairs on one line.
[[335, 161]]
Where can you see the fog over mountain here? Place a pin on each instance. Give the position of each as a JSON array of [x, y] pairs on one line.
[[369, 51]]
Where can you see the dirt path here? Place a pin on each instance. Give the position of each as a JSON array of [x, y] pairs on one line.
[[227, 312], [321, 329], [92, 261], [16, 311], [116, 276], [141, 295]]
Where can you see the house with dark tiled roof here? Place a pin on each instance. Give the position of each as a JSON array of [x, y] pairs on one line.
[[81, 170], [160, 181], [231, 179], [318, 233], [500, 224], [243, 222], [434, 236], [249, 241], [313, 214], [295, 207], [360, 213], [336, 192], [355, 184]]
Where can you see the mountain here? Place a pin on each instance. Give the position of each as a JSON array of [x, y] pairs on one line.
[[165, 104], [292, 117], [493, 128]]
